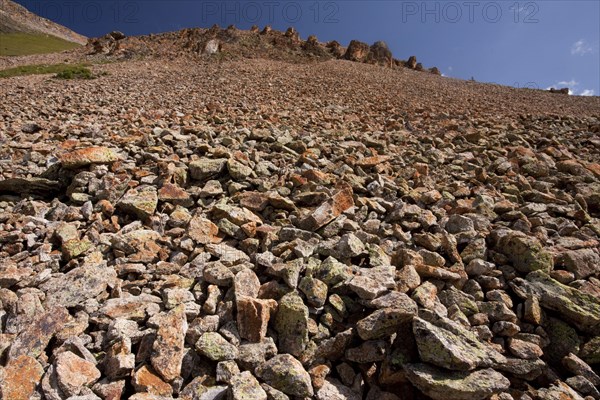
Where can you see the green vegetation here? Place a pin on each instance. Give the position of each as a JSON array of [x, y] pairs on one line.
[[20, 44], [62, 71], [75, 72]]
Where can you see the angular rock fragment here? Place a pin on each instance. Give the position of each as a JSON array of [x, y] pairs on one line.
[[440, 384], [19, 378], [384, 322], [253, 317], [216, 347], [245, 387], [73, 373], [580, 308], [34, 338], [91, 155], [291, 323], [168, 347], [452, 347], [329, 210], [78, 285], [140, 202], [287, 374]]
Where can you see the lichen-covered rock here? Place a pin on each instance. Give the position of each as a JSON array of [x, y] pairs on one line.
[[440, 384], [216, 347], [244, 386], [291, 324], [384, 321], [168, 347], [453, 347], [207, 168], [526, 252], [78, 285], [139, 202], [287, 374], [581, 309]]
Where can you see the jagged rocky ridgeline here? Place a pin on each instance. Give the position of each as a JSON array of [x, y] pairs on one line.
[[268, 230], [232, 43]]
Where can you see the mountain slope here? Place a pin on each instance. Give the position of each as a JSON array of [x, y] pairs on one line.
[[15, 18]]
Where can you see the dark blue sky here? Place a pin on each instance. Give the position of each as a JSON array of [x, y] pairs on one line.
[[517, 43]]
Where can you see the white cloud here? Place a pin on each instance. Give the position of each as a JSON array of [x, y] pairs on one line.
[[587, 92], [572, 82], [581, 48], [450, 68]]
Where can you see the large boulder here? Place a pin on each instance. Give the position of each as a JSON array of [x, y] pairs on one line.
[[357, 51], [379, 53]]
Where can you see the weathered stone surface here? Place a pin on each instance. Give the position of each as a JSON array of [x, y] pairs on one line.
[[329, 210], [168, 347], [582, 309], [140, 202], [245, 387], [91, 155], [291, 323], [73, 373], [216, 347], [203, 231], [78, 285], [384, 321], [582, 263], [19, 378], [287, 374], [131, 307], [452, 347], [147, 380], [174, 194], [253, 317], [34, 338], [334, 390], [445, 385], [31, 186], [526, 253], [207, 168]]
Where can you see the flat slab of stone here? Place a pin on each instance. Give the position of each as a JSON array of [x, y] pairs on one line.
[[454, 348], [441, 384], [577, 307]]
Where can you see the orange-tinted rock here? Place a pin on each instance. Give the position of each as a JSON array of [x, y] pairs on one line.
[[372, 161], [146, 379], [203, 231], [73, 373], [91, 155], [174, 194], [329, 210], [168, 348], [20, 378], [254, 201], [253, 317]]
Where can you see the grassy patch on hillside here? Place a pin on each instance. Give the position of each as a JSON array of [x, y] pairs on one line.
[[63, 71], [20, 44]]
